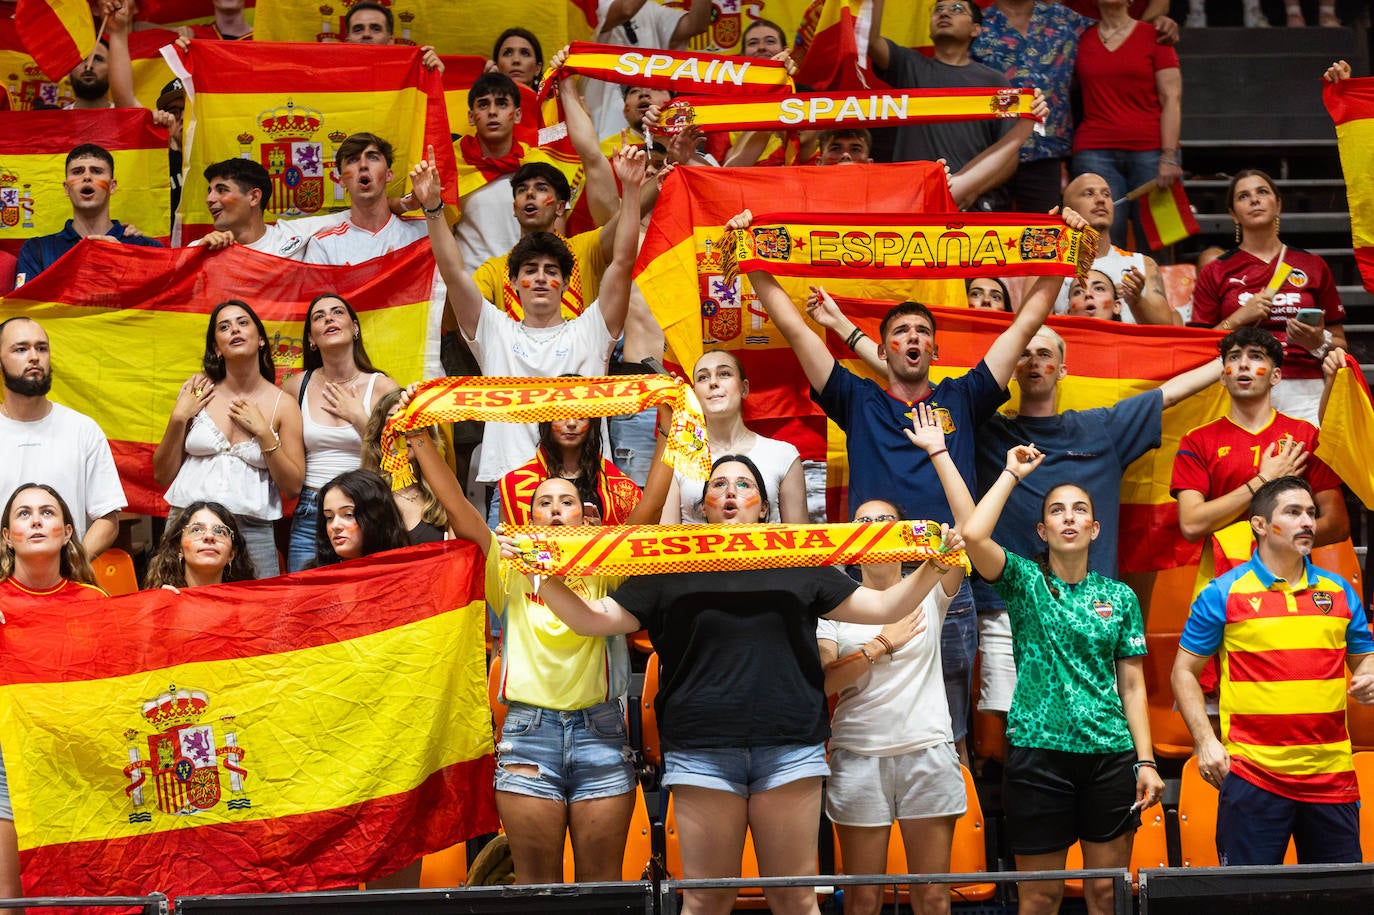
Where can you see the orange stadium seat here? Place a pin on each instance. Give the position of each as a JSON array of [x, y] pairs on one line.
[[114, 572], [651, 752], [1197, 821], [1364, 772], [498, 708], [1149, 850], [444, 869]]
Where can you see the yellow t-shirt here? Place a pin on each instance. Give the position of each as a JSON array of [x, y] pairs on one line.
[[543, 662], [493, 278]]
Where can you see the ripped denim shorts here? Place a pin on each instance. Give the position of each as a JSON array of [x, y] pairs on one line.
[[579, 755]]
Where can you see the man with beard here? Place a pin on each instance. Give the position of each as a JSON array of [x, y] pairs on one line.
[[369, 22], [44, 442], [90, 81], [1136, 276], [90, 182]]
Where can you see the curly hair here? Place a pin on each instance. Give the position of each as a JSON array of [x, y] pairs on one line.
[[74, 564], [432, 512], [167, 568]]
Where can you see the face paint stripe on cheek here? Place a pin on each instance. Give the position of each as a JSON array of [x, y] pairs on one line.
[[1261, 371]]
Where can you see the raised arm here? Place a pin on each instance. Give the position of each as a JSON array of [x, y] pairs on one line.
[[599, 181], [694, 22], [590, 618], [463, 294], [870, 607], [879, 53], [810, 350], [989, 558], [995, 165], [660, 481], [825, 312], [925, 433], [121, 68], [1144, 293], [1186, 384], [1006, 350], [466, 522], [629, 164]]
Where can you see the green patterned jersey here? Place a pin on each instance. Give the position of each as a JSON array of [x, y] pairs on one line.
[[1066, 648]]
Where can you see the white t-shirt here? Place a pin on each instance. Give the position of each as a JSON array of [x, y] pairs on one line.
[[348, 243], [898, 705], [1114, 263], [488, 228], [581, 346], [67, 451], [653, 28], [773, 459], [288, 238]]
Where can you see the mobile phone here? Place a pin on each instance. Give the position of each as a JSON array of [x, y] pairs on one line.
[[655, 365], [1310, 316]]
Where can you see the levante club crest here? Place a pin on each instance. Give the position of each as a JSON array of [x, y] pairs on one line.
[[293, 156], [184, 758]]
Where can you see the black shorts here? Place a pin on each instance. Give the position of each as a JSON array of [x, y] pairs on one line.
[[1053, 798]]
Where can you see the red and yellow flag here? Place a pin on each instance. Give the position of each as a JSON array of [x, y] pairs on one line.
[[299, 733], [151, 71], [1167, 217], [469, 28], [33, 153], [172, 13], [122, 353], [863, 108], [59, 34], [1347, 430], [290, 106], [907, 24], [25, 82], [1351, 105], [832, 46], [680, 272]]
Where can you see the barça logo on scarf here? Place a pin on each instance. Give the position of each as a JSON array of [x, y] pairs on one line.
[[293, 157], [184, 758]]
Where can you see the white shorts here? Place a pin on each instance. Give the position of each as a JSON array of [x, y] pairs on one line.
[[875, 790], [997, 679]]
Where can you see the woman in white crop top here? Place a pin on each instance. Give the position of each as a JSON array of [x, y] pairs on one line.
[[720, 385], [334, 408], [232, 437]]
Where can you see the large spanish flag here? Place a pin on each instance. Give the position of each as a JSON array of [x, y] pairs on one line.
[[58, 33], [122, 351], [33, 153], [681, 272], [907, 24], [832, 46], [151, 71], [290, 106], [1351, 105], [467, 28], [298, 733]]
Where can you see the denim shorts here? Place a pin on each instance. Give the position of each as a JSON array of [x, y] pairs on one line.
[[6, 809], [580, 755], [744, 771], [302, 548]]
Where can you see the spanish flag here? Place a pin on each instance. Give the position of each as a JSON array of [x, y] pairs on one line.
[[908, 25], [151, 71], [467, 28], [25, 82], [298, 733], [1347, 430], [172, 13], [681, 272], [33, 153], [1351, 105], [290, 106], [123, 351], [59, 34], [1167, 217], [833, 46]]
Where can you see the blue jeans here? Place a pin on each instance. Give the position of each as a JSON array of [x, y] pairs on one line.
[[580, 755], [958, 645], [6, 810], [632, 443], [1254, 825], [302, 548], [1124, 170], [744, 771]]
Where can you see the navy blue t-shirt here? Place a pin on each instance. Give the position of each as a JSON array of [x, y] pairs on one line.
[[883, 463], [1089, 448], [39, 253]]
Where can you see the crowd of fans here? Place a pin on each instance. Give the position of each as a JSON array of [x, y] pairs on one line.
[[1061, 640]]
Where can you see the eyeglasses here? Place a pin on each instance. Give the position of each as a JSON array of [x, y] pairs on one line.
[[954, 9], [218, 531], [869, 519]]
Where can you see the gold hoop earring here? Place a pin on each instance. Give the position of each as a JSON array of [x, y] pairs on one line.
[[312, 345]]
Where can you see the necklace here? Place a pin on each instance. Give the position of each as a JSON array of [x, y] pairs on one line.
[[343, 383], [1108, 37], [410, 494]]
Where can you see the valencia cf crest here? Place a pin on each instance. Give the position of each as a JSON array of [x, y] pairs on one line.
[[1297, 279], [1322, 601], [1103, 609], [190, 758]]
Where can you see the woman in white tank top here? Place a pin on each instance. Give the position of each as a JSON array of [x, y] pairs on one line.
[[719, 381], [232, 437], [336, 395]]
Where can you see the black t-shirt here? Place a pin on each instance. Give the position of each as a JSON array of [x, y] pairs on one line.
[[738, 663]]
